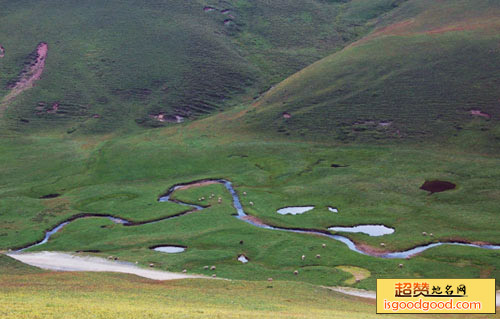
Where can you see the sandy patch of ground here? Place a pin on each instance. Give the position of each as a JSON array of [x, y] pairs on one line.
[[68, 262], [199, 184], [254, 220], [371, 250], [357, 273], [354, 292]]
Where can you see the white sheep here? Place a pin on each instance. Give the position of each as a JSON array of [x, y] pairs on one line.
[[303, 257]]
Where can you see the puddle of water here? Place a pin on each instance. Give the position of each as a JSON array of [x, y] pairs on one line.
[[437, 186], [333, 209], [370, 230], [49, 196], [294, 210], [243, 259], [170, 249]]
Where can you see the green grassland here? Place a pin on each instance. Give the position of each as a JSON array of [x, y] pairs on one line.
[[27, 293], [380, 186], [417, 66]]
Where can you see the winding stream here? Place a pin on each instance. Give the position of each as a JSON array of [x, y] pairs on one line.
[[241, 215]]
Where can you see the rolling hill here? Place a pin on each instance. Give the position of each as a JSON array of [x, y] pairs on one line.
[[123, 64], [429, 71]]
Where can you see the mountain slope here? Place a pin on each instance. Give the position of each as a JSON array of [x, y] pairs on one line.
[[430, 69], [116, 64]]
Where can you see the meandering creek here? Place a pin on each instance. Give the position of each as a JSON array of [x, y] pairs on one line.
[[241, 215]]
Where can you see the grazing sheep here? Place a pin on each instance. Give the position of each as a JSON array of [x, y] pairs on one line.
[[212, 268], [400, 265], [151, 265], [184, 271], [382, 244], [431, 234], [244, 193], [136, 262], [424, 233], [303, 257], [323, 245], [269, 279], [251, 203], [203, 198], [206, 267], [214, 275], [110, 257], [296, 272], [318, 256]]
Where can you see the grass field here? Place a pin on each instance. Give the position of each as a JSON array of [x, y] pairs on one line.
[[25, 294], [380, 186]]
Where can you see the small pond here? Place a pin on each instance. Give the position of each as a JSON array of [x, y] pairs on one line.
[[370, 230], [243, 259], [294, 210], [170, 249], [437, 186]]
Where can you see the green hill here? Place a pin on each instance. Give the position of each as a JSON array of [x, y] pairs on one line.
[[429, 71], [118, 64]]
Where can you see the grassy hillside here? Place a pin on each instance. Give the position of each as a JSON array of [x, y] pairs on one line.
[[118, 64], [428, 71]]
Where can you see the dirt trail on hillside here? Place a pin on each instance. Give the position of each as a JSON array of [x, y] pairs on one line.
[[29, 76], [68, 262]]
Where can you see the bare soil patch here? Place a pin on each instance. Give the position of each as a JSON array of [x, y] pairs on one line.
[[29, 75]]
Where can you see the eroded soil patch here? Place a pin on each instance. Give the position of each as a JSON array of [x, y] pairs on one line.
[[29, 75]]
